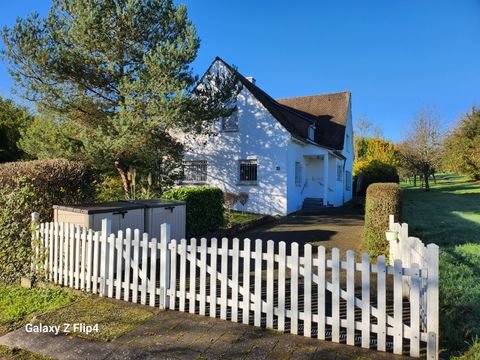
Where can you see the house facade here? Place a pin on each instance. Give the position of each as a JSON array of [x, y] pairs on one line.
[[280, 152]]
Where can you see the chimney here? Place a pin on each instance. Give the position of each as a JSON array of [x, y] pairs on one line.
[[251, 79]]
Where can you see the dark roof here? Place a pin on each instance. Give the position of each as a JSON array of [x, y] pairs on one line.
[[327, 112]]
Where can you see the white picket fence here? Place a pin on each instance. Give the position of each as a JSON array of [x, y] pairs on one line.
[[302, 290]]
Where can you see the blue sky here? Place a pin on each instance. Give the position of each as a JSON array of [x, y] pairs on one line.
[[396, 57]]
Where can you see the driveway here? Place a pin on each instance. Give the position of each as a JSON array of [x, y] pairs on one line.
[[335, 227]]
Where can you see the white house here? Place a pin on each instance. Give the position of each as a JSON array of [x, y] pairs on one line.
[[282, 152]]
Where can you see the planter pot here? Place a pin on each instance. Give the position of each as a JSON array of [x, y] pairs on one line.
[[391, 235]]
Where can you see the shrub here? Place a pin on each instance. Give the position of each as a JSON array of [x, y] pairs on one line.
[[383, 199], [373, 171], [54, 182], [204, 207], [18, 202]]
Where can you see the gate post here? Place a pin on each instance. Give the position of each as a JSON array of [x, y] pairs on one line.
[[432, 301], [164, 264]]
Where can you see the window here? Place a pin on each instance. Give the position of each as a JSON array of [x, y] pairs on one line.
[[248, 171], [194, 171], [348, 180], [230, 123], [298, 174], [311, 132], [339, 172]]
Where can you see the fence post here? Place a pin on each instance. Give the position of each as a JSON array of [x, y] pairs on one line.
[[432, 301], [104, 254], [35, 241], [164, 264]]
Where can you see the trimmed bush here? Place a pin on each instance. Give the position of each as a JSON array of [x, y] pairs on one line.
[[204, 208], [383, 199], [54, 182]]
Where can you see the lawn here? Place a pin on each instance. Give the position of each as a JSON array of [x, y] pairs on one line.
[[449, 215], [242, 218], [18, 305]]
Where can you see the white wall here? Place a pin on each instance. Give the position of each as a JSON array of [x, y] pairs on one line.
[[260, 137]]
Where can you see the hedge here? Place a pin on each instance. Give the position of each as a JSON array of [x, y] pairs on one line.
[[54, 181], [35, 186], [205, 212], [374, 171], [383, 199]]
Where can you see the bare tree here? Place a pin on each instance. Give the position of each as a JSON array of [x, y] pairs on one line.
[[422, 146]]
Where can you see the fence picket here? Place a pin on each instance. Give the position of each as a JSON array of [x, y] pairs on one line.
[[235, 255], [307, 291], [68, 255], [61, 254], [258, 283], [50, 251], [397, 307], [83, 268], [282, 263], [335, 295], [350, 297], [193, 275], [136, 264], [432, 301], [89, 261], [365, 301], [183, 273], [128, 250], [173, 274], [382, 304], [119, 246], [111, 265], [152, 289], [415, 312], [321, 292], [96, 254], [203, 276], [143, 298], [270, 273], [55, 252], [224, 279], [77, 257], [246, 282], [294, 288], [165, 267]]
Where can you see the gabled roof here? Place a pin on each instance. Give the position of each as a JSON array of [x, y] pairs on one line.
[[327, 112]]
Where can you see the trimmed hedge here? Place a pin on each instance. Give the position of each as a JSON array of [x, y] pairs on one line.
[[374, 171], [383, 199], [54, 181], [35, 186], [205, 212]]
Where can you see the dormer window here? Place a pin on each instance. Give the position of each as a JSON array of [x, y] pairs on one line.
[[230, 123], [311, 132]]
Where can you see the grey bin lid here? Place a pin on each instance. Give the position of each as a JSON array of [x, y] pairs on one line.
[[100, 208], [155, 203]]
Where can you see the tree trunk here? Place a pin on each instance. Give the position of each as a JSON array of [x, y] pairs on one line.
[[434, 178], [425, 177], [415, 180], [122, 170]]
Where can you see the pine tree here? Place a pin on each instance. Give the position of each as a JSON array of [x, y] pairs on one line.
[[119, 71]]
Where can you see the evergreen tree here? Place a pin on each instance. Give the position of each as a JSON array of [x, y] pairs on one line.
[[119, 72]]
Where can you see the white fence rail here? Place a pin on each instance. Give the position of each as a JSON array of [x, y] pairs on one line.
[[285, 287]]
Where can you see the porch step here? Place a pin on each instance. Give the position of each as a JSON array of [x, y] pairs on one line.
[[314, 205]]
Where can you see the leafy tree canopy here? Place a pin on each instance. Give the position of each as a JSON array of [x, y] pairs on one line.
[[13, 119], [119, 72]]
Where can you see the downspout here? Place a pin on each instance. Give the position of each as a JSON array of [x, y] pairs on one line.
[[343, 182]]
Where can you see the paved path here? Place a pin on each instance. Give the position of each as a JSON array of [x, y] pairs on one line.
[[335, 227], [176, 335]]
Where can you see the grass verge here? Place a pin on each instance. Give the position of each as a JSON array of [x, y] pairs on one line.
[[114, 318], [7, 353], [18, 305], [242, 218], [449, 215]]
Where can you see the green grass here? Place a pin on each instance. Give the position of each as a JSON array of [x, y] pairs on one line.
[[449, 215], [7, 353], [242, 218], [114, 318], [18, 305]]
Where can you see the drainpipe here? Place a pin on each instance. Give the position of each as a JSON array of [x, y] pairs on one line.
[[343, 182]]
